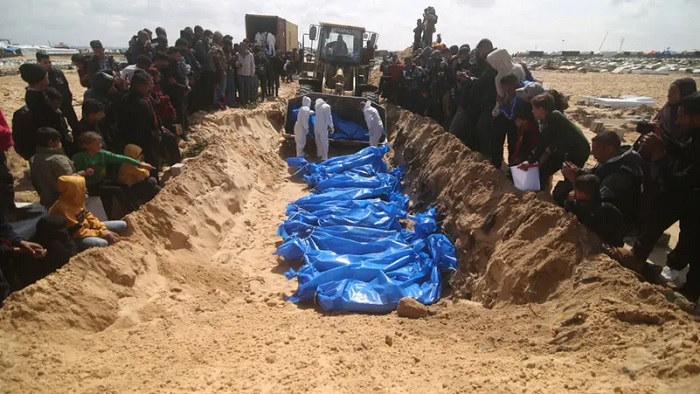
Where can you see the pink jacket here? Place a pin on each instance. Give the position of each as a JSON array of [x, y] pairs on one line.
[[5, 134]]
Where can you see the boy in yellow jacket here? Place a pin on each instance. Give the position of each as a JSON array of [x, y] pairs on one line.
[[142, 184], [88, 230]]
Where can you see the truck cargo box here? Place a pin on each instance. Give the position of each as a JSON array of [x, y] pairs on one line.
[[286, 33]]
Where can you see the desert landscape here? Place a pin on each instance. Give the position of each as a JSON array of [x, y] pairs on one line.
[[193, 300]]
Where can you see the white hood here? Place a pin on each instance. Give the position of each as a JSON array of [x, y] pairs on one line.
[[500, 60], [306, 102]]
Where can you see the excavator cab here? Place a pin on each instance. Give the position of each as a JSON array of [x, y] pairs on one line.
[[339, 47], [337, 70]]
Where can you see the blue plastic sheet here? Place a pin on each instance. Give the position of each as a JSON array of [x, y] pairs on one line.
[[344, 129], [348, 234]]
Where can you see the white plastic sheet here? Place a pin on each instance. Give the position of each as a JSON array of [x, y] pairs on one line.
[[526, 180]]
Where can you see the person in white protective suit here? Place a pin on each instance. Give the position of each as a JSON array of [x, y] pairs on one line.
[[259, 40], [301, 127], [374, 123], [323, 124], [271, 43]]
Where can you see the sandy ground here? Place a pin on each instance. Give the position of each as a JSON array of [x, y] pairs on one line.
[[192, 299]]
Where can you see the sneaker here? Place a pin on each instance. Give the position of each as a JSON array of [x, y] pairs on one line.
[[669, 274]]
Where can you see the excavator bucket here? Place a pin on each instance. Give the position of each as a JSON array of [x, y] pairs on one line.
[[346, 109]]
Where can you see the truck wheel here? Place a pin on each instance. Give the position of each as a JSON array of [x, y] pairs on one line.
[[371, 96], [305, 90]]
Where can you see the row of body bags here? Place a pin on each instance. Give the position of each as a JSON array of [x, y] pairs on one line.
[[349, 235]]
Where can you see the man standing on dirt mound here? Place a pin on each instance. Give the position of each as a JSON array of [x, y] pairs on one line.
[[323, 124]]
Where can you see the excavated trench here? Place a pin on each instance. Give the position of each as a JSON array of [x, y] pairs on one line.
[[193, 300]]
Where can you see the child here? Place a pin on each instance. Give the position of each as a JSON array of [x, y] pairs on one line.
[[86, 228], [48, 164], [560, 140], [144, 186], [528, 132], [601, 217], [97, 159], [93, 114]]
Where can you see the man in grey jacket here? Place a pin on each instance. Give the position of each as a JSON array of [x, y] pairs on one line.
[[246, 74]]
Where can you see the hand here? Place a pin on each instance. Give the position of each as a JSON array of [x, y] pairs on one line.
[[569, 170], [35, 249], [146, 166], [526, 165], [112, 238], [655, 145]]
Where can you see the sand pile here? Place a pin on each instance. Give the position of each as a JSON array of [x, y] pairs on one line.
[[520, 248]]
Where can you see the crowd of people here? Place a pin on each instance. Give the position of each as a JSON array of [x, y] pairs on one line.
[[485, 98], [134, 115]]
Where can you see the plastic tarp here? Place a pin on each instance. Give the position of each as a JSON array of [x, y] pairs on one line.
[[344, 129], [356, 255]]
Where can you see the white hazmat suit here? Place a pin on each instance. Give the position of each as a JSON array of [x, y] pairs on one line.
[[301, 127], [374, 123], [271, 43], [324, 124]]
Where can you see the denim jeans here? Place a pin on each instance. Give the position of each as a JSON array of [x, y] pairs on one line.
[[115, 226]]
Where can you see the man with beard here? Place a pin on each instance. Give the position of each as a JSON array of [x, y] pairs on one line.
[[59, 82], [100, 61]]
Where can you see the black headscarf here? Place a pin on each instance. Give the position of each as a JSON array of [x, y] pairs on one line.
[[667, 116]]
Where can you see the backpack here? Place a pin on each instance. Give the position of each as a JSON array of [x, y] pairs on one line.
[[23, 131]]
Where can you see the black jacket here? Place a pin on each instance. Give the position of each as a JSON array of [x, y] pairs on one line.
[[600, 217], [36, 114], [58, 81], [680, 168], [621, 182], [94, 66], [483, 92], [8, 237], [139, 124]]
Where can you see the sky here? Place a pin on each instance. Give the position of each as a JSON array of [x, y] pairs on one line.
[[517, 25]]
